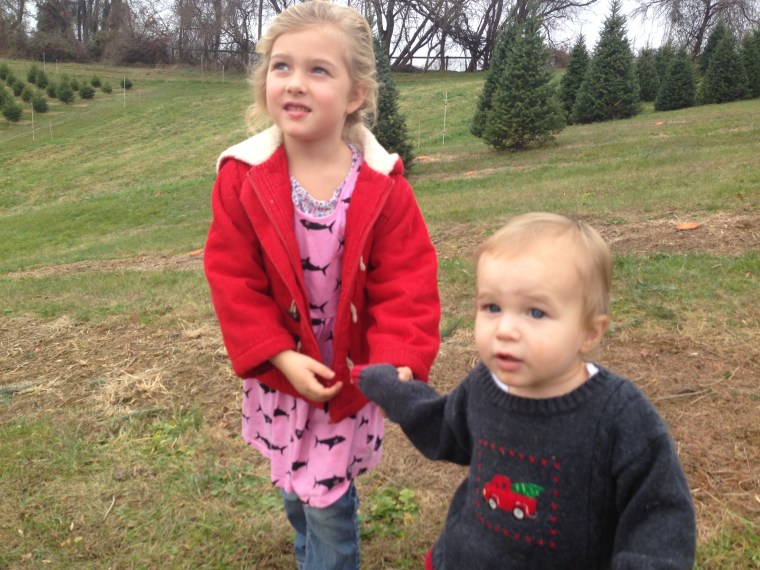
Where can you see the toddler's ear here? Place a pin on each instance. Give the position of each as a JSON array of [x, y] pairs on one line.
[[594, 333]]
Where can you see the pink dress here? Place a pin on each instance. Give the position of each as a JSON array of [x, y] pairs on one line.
[[309, 456]]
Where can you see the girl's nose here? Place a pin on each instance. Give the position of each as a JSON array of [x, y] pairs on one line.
[[295, 83]]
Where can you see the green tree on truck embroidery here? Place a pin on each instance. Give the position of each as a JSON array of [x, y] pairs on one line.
[[519, 498]]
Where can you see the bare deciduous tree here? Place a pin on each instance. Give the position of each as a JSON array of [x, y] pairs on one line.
[[688, 22]]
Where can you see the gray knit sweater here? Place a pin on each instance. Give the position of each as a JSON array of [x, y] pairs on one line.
[[583, 481]]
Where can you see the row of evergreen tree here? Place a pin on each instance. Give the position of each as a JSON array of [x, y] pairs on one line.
[[33, 91], [521, 105]]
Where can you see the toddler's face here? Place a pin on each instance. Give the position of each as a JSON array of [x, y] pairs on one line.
[[529, 327]]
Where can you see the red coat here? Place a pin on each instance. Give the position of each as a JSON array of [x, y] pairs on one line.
[[389, 309]]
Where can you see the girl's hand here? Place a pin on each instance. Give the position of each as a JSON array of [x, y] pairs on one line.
[[302, 371]]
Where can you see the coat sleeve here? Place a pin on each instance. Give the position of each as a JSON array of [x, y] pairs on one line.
[[402, 287], [435, 424], [250, 320], [656, 525]]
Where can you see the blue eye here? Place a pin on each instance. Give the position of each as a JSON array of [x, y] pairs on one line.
[[537, 313], [492, 308], [279, 66], [320, 70]]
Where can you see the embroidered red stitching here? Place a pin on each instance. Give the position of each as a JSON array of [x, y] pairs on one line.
[[548, 463]]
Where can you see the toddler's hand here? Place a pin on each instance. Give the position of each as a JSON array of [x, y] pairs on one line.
[[405, 373], [302, 371]]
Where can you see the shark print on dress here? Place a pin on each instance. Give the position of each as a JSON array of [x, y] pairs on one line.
[[315, 226], [329, 483], [330, 442], [307, 265], [300, 432], [309, 455], [280, 413]]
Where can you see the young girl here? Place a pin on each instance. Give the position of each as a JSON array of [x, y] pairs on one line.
[[318, 258]]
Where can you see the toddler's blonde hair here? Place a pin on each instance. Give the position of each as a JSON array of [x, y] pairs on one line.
[[590, 253], [360, 56]]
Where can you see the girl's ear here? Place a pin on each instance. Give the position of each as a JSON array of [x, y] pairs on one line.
[[594, 333], [358, 95]]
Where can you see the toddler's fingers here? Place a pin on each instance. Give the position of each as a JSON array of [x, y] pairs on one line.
[[404, 373]]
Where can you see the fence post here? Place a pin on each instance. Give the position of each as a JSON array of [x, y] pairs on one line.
[[445, 110]]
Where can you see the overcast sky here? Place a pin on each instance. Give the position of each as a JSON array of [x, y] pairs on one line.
[[639, 33]]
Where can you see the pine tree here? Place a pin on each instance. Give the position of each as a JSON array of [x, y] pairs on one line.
[[571, 81], [719, 32], [390, 125], [646, 72], [663, 57], [497, 63], [725, 79], [610, 89], [751, 60], [679, 88], [525, 109]]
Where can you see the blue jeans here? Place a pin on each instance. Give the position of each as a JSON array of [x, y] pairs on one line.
[[328, 538]]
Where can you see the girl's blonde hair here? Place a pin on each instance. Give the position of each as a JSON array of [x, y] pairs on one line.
[[360, 56], [576, 239]]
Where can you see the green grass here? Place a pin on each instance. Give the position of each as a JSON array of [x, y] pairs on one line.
[[125, 178]]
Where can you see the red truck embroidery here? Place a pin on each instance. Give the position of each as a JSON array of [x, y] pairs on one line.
[[518, 498]]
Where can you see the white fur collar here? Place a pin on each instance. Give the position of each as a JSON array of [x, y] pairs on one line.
[[261, 146]]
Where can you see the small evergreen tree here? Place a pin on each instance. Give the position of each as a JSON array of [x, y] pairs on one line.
[[646, 72], [39, 103], [5, 95], [390, 126], [719, 32], [496, 68], [610, 89], [17, 87], [31, 75], [751, 60], [65, 93], [52, 90], [86, 92], [41, 80], [12, 111], [525, 109], [27, 94], [679, 88], [571, 80], [4, 71], [725, 79]]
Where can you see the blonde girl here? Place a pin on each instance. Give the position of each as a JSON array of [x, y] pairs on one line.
[[318, 258]]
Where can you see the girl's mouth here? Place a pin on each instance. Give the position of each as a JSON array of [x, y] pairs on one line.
[[296, 108]]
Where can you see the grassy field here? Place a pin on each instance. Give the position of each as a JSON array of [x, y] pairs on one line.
[[118, 411]]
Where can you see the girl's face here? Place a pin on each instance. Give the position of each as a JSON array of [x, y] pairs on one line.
[[530, 329], [309, 90]]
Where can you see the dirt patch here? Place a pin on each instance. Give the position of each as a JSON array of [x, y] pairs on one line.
[[725, 233]]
